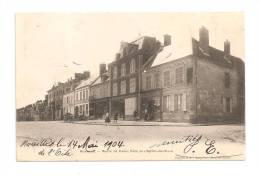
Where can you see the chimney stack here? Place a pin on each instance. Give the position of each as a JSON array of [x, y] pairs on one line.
[[86, 74], [102, 69], [227, 48], [117, 56], [204, 39], [167, 40]]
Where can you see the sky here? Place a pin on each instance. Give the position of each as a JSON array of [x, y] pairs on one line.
[[47, 44]]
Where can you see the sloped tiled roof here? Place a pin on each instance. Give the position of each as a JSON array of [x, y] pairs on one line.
[[166, 55], [84, 83], [216, 56]]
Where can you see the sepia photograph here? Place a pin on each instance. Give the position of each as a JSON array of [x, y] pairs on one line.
[[130, 86]]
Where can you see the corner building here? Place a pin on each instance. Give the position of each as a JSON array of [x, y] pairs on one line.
[[205, 86]]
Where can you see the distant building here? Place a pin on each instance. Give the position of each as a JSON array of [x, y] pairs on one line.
[[56, 93], [81, 99], [100, 93], [68, 97], [32, 112], [55, 100], [205, 86]]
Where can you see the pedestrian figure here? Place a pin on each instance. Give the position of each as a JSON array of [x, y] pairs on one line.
[[145, 114], [107, 119], [116, 117], [135, 115]]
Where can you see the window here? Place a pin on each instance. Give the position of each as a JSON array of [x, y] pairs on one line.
[[166, 103], [180, 102], [227, 104], [67, 99], [115, 72], [156, 80], [80, 96], [179, 75], [84, 95], [123, 70], [227, 80], [189, 75], [123, 87], [132, 85], [114, 89], [77, 96], [166, 78], [148, 82], [132, 66]]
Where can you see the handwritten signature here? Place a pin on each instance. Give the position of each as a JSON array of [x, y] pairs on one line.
[[190, 142]]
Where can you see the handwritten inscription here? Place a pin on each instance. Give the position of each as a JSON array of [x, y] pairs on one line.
[[61, 147], [189, 146]]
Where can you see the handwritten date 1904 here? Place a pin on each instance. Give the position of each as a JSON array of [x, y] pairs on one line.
[[113, 144]]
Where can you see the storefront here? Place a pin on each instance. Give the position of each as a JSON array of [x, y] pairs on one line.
[[98, 108], [152, 105], [125, 106]]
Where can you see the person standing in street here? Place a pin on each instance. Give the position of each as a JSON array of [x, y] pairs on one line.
[[107, 119]]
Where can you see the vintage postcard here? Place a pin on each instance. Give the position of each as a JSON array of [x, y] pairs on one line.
[[130, 86]]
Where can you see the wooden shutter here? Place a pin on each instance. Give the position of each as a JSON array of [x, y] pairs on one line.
[[184, 102], [172, 103], [231, 104], [175, 102], [224, 104]]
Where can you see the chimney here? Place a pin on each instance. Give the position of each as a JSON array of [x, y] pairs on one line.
[[102, 69], [204, 39], [117, 56], [86, 75], [167, 40], [123, 48], [227, 48]]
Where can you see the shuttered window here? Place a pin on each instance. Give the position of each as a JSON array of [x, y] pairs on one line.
[[123, 87], [114, 89], [166, 79], [123, 70], [132, 85], [184, 102], [132, 66], [179, 75]]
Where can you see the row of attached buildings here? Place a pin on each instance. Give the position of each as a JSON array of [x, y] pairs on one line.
[[147, 82]]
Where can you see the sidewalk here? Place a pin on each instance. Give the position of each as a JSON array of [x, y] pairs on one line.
[[131, 123]]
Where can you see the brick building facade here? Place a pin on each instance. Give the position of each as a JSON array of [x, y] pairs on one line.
[[125, 74]]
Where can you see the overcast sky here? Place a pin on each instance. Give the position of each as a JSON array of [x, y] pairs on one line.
[[47, 44]]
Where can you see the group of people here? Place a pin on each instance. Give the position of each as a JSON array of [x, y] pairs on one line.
[[107, 117]]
